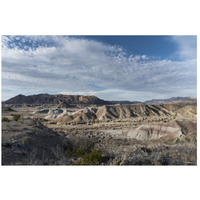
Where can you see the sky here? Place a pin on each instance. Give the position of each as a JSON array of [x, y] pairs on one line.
[[134, 68]]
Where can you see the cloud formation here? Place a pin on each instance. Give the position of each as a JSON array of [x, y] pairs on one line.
[[71, 65]]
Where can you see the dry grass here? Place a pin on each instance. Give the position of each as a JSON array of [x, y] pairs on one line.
[[184, 153]]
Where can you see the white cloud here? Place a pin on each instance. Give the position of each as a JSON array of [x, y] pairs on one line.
[[76, 64]]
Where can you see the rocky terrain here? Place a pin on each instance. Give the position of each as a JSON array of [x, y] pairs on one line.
[[85, 130]]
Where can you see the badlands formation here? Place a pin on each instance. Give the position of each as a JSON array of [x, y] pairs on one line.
[[68, 129]]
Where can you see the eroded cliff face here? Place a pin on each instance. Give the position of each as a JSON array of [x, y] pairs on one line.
[[157, 131], [122, 112]]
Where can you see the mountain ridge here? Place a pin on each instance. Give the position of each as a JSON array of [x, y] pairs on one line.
[[85, 100], [55, 99]]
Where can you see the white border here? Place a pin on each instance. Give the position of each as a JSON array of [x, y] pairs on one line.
[[91, 17]]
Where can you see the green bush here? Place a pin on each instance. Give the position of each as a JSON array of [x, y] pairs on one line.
[[78, 150], [93, 158], [16, 117], [85, 154]]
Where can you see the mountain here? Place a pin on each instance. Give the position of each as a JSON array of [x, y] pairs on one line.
[[125, 102], [56, 99], [179, 100], [67, 100]]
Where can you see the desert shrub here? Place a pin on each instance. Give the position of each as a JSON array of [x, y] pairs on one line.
[[27, 140], [187, 139], [16, 117], [78, 150], [34, 121], [147, 150], [142, 161], [164, 160], [33, 131], [138, 159], [5, 119], [84, 154], [177, 140], [7, 145], [93, 158]]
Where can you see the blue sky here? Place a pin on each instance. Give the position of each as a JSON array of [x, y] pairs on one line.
[[142, 45], [110, 67]]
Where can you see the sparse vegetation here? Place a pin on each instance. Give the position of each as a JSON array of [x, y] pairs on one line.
[[187, 139], [164, 154], [78, 151], [93, 158], [27, 140], [5, 119], [16, 117], [177, 140], [33, 131], [85, 154]]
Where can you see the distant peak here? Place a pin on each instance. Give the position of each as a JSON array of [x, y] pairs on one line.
[[20, 95]]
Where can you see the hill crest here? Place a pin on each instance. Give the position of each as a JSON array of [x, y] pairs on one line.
[[55, 99]]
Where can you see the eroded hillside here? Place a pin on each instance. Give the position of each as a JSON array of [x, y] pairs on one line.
[[120, 112]]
